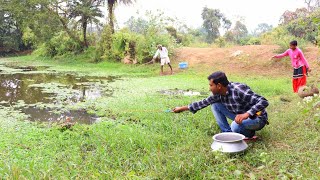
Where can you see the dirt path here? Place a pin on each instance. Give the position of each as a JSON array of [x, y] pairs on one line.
[[253, 60]]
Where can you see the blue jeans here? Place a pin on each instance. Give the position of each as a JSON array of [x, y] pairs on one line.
[[248, 127]]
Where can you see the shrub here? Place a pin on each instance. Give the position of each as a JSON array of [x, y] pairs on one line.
[[139, 47], [60, 44], [243, 41], [220, 41], [254, 41], [29, 38], [310, 107], [187, 39], [284, 41], [280, 36], [271, 37]]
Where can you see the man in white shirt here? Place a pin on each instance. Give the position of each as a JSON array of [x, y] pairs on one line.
[[163, 52]]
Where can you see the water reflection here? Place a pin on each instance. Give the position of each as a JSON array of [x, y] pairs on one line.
[[52, 88], [49, 115], [14, 87]]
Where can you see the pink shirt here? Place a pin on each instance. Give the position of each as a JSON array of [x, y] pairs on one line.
[[297, 57]]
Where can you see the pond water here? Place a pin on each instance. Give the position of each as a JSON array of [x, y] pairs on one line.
[[49, 115], [33, 88], [32, 85]]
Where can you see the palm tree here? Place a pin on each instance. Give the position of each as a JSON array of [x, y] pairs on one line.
[[88, 11], [111, 6]]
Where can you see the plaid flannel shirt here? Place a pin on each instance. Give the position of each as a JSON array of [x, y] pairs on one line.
[[238, 100]]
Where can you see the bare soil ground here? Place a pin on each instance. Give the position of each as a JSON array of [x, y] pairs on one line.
[[254, 60]]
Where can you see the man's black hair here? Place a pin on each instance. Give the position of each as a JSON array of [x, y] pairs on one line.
[[294, 43], [219, 77]]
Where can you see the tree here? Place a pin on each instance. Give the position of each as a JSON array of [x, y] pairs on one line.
[[212, 19], [289, 16], [13, 17], [305, 26], [10, 33], [173, 32], [312, 5], [33, 16], [229, 37], [137, 25], [45, 19], [60, 10], [300, 23], [81, 11], [158, 22], [240, 30], [262, 28], [237, 34], [87, 11], [227, 23], [155, 20], [111, 6]]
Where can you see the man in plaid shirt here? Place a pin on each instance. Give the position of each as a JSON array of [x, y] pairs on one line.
[[235, 101]]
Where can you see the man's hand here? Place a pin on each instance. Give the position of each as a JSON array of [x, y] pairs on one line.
[[180, 109], [240, 117]]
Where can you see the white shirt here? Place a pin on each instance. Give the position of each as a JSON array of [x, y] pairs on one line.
[[163, 53]]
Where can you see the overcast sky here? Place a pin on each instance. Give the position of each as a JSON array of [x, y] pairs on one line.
[[189, 12]]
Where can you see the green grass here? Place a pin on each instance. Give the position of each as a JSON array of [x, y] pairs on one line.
[[138, 140], [83, 64]]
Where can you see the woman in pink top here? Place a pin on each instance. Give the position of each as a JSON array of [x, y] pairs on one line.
[[299, 64]]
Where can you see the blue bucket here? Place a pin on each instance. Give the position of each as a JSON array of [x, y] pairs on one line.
[[183, 65]]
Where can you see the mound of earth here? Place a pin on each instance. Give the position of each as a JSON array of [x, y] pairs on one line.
[[248, 60]]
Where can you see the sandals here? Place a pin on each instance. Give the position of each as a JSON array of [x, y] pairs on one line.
[[253, 138]]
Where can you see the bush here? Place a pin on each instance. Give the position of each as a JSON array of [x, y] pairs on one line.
[[280, 36], [153, 37], [243, 41], [103, 48], [317, 40], [184, 39], [284, 41], [254, 41], [310, 107], [123, 43], [60, 44], [271, 37], [29, 38], [221, 42], [187, 39], [139, 47], [229, 36], [115, 47]]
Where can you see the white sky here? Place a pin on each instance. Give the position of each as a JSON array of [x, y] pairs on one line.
[[189, 12]]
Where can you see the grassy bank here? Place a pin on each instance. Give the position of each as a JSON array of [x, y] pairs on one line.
[[84, 64], [138, 140]]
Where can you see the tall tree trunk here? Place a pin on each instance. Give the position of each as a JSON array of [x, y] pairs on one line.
[[110, 11], [84, 31], [65, 27], [70, 33]]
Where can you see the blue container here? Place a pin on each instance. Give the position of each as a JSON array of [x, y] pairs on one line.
[[183, 65]]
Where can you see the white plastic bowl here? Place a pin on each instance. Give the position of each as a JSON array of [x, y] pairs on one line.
[[229, 142]]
